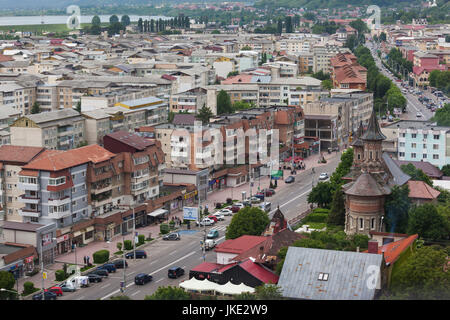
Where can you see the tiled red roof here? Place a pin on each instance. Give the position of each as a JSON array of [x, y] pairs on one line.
[[393, 250], [259, 272], [240, 244], [22, 154], [131, 139], [56, 161], [207, 267], [421, 190]]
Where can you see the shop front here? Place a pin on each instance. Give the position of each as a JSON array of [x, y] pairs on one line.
[[157, 216], [63, 244]]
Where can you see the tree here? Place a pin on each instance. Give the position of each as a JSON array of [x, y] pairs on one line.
[[442, 116], [7, 282], [446, 170], [204, 114], [215, 32], [280, 26], [321, 194], [113, 19], [35, 108], [125, 20], [152, 25], [115, 28], [247, 221], [382, 36], [78, 107], [140, 25], [426, 221], [96, 21], [224, 103], [327, 84], [288, 23], [359, 25], [416, 174], [351, 42], [422, 276], [268, 292], [241, 105], [337, 212], [396, 209], [383, 84], [246, 48], [169, 293]]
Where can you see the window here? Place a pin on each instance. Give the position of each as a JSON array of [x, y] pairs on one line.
[[28, 180], [402, 144], [34, 219], [323, 276], [56, 181], [413, 155], [425, 136], [401, 154], [424, 146], [361, 223], [435, 146], [402, 135], [413, 135], [424, 156], [435, 156], [436, 137], [413, 145], [372, 223]]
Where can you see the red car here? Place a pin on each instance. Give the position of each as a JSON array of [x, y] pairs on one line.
[[56, 290], [213, 218]]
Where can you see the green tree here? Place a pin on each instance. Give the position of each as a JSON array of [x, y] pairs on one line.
[[232, 74], [288, 23], [246, 48], [396, 209], [35, 108], [442, 116], [321, 194], [96, 21], [280, 26], [268, 292], [320, 75], [125, 20], [215, 32], [224, 103], [426, 221], [78, 107], [120, 298], [383, 84], [115, 28], [416, 174], [140, 25], [7, 282], [247, 221], [113, 19], [359, 25], [337, 212], [446, 170], [382, 36], [169, 293], [422, 276], [241, 105], [204, 114], [327, 84]]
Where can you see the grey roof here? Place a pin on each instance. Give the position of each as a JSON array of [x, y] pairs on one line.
[[398, 176], [59, 115], [373, 131], [348, 274]]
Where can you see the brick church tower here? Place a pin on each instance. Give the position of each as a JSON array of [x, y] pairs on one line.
[[365, 195]]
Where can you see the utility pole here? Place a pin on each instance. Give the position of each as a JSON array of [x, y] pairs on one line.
[[122, 289], [42, 269], [134, 238]]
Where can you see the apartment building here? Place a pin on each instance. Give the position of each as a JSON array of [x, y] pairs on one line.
[[18, 96], [346, 73], [421, 141], [12, 159], [191, 101], [61, 130], [47, 97], [70, 91], [156, 109]]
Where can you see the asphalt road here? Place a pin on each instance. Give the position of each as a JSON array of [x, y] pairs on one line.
[[186, 252]]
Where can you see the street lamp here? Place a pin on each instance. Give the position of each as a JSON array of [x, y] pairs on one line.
[[42, 268]]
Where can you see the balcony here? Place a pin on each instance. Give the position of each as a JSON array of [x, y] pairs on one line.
[[58, 202], [27, 199], [181, 144], [59, 215], [29, 213], [28, 186], [102, 187]]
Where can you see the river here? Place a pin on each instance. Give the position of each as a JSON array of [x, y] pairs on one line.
[[32, 20]]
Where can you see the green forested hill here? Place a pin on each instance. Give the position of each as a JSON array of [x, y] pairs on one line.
[[319, 4]]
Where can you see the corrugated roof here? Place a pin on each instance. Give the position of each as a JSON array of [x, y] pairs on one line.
[[398, 176], [393, 250], [240, 244], [259, 272], [348, 274]]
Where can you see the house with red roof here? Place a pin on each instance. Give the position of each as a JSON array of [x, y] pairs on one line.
[[231, 248], [346, 73], [420, 192]]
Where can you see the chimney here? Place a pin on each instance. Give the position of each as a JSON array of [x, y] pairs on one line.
[[373, 246]]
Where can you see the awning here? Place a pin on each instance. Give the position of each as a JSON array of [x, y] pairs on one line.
[[199, 285], [77, 233], [157, 212], [89, 228]]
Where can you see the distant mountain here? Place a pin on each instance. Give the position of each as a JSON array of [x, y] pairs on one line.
[[321, 4]]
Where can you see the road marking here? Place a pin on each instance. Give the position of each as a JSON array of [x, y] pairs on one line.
[[284, 204], [131, 272], [116, 291], [153, 262], [106, 285], [173, 252], [81, 298], [159, 280], [136, 293], [183, 267]]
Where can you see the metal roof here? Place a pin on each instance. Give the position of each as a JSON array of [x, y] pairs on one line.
[[348, 274]]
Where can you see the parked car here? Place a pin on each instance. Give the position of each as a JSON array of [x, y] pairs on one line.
[[226, 212], [142, 278], [419, 114], [56, 290], [247, 203], [219, 216], [266, 206], [172, 236], [212, 234], [110, 267], [268, 192], [255, 199], [47, 296], [205, 222], [100, 272], [237, 206], [323, 176], [212, 217], [390, 118], [175, 272], [140, 254], [260, 196], [94, 277], [289, 179], [209, 244], [120, 264], [67, 287]]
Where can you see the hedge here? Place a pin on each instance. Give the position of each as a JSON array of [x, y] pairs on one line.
[[101, 256], [164, 228], [141, 239], [321, 210], [128, 244], [28, 288], [316, 217], [60, 275]]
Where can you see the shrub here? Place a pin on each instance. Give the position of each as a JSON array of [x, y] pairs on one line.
[[316, 217], [60, 275], [141, 239], [119, 246], [128, 244], [28, 287], [321, 210], [164, 228], [32, 273], [101, 256]]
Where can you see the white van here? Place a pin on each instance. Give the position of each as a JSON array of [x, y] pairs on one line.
[[266, 206], [77, 282]]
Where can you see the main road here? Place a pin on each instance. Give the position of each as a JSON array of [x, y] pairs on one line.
[[187, 253]]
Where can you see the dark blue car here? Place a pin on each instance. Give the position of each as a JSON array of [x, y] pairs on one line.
[[110, 267]]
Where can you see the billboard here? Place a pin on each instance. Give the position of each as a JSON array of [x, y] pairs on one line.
[[190, 213]]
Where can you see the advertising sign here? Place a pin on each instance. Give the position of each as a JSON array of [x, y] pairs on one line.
[[190, 213]]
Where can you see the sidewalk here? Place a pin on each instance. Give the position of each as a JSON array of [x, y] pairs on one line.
[[153, 230]]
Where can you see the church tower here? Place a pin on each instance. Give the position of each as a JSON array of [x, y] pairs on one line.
[[365, 196]]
